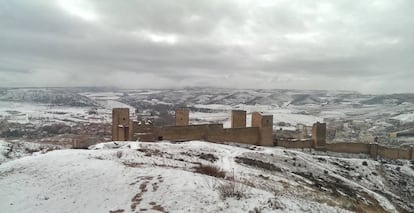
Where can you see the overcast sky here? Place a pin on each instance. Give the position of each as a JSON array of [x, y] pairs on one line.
[[367, 46]]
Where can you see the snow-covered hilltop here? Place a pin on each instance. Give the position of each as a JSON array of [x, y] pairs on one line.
[[167, 177]]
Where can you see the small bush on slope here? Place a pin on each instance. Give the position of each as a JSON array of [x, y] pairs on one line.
[[210, 170], [231, 189]]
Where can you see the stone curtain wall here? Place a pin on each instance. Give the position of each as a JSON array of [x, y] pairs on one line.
[[209, 132], [299, 144], [374, 150], [395, 153], [353, 148], [186, 133], [249, 135], [261, 133]]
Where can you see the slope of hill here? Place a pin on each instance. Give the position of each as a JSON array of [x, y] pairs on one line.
[[167, 177], [61, 97]]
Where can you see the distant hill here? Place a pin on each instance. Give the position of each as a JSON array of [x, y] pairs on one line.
[[390, 99], [61, 97]]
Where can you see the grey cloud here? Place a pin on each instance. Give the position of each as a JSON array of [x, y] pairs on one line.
[[285, 44]]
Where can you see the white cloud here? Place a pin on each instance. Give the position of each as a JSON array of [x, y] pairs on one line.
[[78, 8]]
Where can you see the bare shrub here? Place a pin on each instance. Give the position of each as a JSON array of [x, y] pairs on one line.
[[256, 210], [210, 170], [31, 150], [210, 182], [119, 154], [158, 208], [275, 203], [231, 189], [9, 151]]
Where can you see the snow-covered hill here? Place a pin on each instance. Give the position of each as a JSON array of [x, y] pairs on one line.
[[168, 177], [288, 106], [52, 96]]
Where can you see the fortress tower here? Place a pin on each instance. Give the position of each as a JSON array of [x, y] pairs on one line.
[[319, 134], [182, 117], [120, 124], [265, 124], [238, 119]]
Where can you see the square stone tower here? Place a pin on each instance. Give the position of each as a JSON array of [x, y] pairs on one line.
[[265, 124], [238, 119], [120, 124], [182, 117], [319, 134]]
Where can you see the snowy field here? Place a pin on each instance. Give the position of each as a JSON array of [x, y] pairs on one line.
[[39, 113], [36, 113], [222, 113], [162, 177]]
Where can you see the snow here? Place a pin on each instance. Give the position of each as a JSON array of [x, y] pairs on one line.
[[405, 118], [294, 119], [222, 113], [22, 112], [109, 175], [93, 182], [214, 106], [332, 114], [109, 104], [102, 95], [10, 150], [203, 117]]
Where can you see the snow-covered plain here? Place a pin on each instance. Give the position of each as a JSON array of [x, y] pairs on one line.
[[139, 176], [405, 118], [41, 113]]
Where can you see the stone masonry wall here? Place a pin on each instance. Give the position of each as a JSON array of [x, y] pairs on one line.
[[248, 135]]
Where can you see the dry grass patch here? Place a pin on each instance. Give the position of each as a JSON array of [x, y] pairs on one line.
[[158, 208], [210, 170], [232, 189]]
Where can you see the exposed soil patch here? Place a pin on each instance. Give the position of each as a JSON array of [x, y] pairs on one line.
[[257, 163], [154, 152], [349, 197], [204, 156], [400, 184], [208, 157], [133, 164], [320, 159]]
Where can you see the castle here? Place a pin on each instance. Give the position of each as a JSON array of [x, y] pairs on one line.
[[260, 133]]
